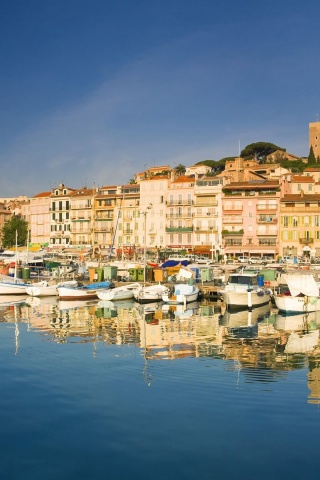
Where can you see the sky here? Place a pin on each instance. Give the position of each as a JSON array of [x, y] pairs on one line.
[[94, 91]]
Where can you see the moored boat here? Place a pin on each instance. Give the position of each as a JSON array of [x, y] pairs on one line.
[[302, 296], [45, 289], [82, 292], [12, 286], [183, 293], [243, 291], [150, 293], [124, 292]]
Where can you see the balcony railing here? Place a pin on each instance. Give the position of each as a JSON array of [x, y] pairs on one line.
[[265, 220], [305, 241], [232, 232], [179, 229]]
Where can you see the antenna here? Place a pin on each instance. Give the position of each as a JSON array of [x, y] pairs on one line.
[[239, 148]]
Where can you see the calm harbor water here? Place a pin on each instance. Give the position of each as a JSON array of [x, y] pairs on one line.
[[152, 392]]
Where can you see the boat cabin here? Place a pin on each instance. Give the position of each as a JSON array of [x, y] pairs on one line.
[[250, 280]]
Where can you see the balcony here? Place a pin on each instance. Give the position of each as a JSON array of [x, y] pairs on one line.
[[103, 218], [266, 207], [206, 229], [79, 232], [232, 232], [204, 203], [179, 229], [267, 220], [103, 229], [305, 241], [179, 203], [232, 209]]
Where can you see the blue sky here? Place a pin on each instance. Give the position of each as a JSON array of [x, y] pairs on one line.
[[93, 91]]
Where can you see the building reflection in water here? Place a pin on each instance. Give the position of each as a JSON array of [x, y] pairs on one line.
[[263, 344]]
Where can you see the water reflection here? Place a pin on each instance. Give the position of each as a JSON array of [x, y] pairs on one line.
[[263, 345]]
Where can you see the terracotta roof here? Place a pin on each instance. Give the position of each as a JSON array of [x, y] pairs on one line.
[[302, 179], [297, 197], [82, 192], [42, 194], [312, 169], [184, 179], [250, 185]]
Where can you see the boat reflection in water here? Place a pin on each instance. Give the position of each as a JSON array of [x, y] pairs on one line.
[[259, 339]]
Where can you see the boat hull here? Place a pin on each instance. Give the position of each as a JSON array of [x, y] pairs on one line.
[[180, 299], [150, 294], [88, 292], [12, 288], [245, 299], [119, 293], [292, 305], [182, 294]]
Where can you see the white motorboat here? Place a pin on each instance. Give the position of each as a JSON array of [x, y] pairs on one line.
[[45, 289], [183, 293], [302, 296], [243, 291], [12, 286], [151, 293], [82, 292], [124, 292]]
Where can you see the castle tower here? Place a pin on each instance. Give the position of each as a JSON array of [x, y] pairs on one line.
[[314, 138]]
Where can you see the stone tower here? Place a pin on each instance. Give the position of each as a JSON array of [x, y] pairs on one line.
[[314, 138]]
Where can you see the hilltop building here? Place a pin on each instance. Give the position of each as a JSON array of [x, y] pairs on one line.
[[314, 138]]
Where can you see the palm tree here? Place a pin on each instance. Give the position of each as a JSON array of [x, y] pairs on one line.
[[180, 169]]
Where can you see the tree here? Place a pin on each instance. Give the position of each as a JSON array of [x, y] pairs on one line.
[[16, 224], [180, 169], [295, 166], [311, 158], [217, 166], [259, 150]]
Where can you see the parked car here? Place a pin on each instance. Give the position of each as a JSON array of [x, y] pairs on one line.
[[255, 260], [243, 259], [266, 260]]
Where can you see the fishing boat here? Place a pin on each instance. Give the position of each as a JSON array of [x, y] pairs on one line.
[[46, 289], [124, 292], [82, 292], [150, 293], [302, 295], [242, 291], [182, 294]]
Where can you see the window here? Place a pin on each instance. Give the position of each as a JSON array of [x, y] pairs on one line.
[[285, 221]]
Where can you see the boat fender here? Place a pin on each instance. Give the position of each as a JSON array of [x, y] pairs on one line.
[[260, 293]]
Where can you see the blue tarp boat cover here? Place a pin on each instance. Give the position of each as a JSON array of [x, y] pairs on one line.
[[174, 263]]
